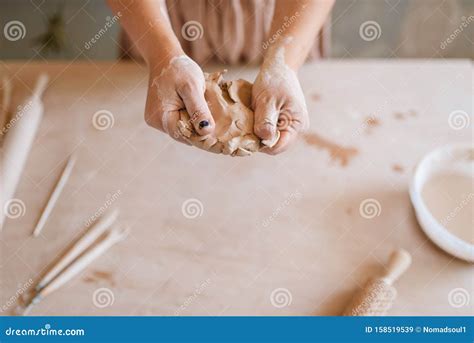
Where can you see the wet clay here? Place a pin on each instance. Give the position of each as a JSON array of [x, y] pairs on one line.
[[450, 199], [337, 152], [230, 106]]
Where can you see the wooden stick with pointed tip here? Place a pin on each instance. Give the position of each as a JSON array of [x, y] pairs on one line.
[[78, 265], [78, 248], [55, 195], [379, 294]]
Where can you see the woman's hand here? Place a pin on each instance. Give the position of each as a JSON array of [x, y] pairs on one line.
[[279, 105], [176, 85]]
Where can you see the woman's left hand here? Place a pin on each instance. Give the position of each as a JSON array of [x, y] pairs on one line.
[[279, 105]]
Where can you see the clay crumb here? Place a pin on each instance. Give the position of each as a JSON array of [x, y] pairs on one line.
[[315, 97], [398, 168], [399, 116], [336, 151], [372, 122]]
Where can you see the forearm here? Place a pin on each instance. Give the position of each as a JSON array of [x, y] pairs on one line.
[[295, 25], [148, 26]]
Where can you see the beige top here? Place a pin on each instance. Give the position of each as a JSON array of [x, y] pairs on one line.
[[226, 31]]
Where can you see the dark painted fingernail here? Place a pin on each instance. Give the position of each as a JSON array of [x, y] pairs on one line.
[[203, 123]]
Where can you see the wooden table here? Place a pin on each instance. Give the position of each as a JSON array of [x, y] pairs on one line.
[[288, 222]]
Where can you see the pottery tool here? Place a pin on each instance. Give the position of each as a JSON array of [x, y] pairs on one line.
[[18, 141], [5, 105], [379, 294], [55, 195], [79, 247], [112, 237]]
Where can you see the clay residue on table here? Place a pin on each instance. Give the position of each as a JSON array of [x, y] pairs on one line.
[[337, 152], [315, 97], [100, 275], [402, 116], [399, 116], [371, 123], [398, 168]]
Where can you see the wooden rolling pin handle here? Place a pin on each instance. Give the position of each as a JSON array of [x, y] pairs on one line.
[[40, 86], [398, 263]]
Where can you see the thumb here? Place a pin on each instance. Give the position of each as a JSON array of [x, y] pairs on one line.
[[266, 119], [198, 111]]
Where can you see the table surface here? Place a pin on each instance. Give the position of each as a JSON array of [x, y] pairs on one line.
[[287, 225]]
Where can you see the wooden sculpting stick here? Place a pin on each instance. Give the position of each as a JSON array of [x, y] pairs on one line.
[[55, 195], [379, 294], [79, 247], [111, 238]]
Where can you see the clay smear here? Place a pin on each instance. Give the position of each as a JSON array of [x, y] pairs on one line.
[[371, 123], [315, 97], [404, 115], [99, 275], [398, 168], [336, 151]]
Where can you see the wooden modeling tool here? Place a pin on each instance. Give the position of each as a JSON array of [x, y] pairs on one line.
[[55, 195], [379, 294], [78, 248], [111, 238]]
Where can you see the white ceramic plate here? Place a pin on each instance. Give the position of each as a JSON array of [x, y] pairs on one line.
[[457, 158]]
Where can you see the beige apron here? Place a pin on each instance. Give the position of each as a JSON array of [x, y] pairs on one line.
[[228, 31]]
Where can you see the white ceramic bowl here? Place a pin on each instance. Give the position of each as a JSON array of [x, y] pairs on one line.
[[457, 158]]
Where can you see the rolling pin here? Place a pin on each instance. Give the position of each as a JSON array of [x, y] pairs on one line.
[[17, 143], [378, 295]]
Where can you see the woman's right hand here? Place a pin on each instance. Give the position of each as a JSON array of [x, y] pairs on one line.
[[178, 84]]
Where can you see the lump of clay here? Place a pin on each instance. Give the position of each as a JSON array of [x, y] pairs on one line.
[[229, 103]]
